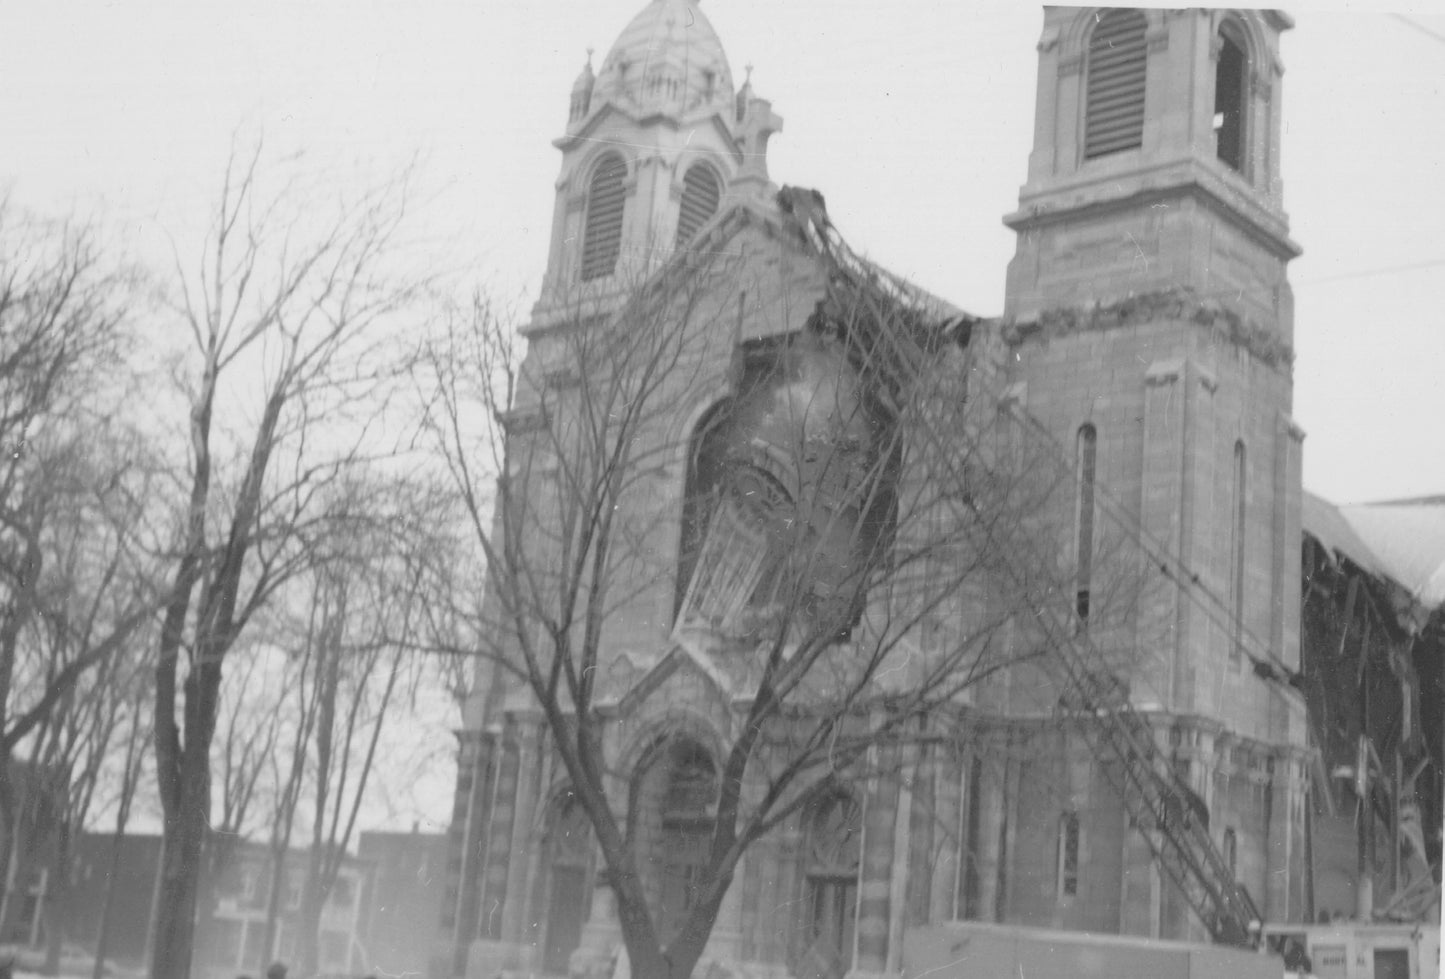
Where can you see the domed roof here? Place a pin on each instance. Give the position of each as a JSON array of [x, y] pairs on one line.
[[669, 59]]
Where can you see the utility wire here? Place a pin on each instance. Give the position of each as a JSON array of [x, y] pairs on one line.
[[1382, 270], [1419, 27]]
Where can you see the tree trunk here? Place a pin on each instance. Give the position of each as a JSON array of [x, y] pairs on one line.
[[273, 898], [24, 854], [184, 849], [57, 911], [308, 919], [107, 909], [314, 893], [15, 870], [176, 907], [9, 816]]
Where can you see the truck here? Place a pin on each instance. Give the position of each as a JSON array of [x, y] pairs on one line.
[[1357, 950], [968, 949]]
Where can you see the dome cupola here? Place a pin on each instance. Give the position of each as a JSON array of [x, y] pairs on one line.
[[668, 60]]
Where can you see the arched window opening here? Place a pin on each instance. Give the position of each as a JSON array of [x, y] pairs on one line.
[[569, 859], [1238, 511], [1068, 868], [833, 853], [1114, 103], [1231, 853], [676, 802], [1230, 88], [701, 193], [1084, 521], [602, 235]]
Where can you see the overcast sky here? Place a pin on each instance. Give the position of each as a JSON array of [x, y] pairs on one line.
[[913, 117]]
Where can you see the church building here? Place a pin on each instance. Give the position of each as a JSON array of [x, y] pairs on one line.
[[1135, 759]]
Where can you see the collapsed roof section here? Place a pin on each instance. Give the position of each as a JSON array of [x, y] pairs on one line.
[[1400, 543]]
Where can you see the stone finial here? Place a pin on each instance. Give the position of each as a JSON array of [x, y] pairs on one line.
[[582, 92], [756, 124]]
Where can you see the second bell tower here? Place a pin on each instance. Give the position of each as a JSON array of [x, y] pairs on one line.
[[1151, 327], [1155, 162]]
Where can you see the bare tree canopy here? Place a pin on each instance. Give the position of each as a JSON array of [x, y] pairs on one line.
[[286, 312], [843, 560], [77, 581]]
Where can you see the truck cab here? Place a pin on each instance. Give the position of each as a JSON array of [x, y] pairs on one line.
[[1354, 950]]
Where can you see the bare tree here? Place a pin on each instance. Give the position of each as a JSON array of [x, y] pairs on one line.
[[850, 526], [285, 313], [74, 481], [367, 599], [91, 729], [290, 779], [132, 734]]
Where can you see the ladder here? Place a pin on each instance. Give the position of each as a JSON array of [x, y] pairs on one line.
[[1167, 813]]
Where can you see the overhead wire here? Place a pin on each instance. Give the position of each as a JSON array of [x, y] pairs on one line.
[[1416, 25]]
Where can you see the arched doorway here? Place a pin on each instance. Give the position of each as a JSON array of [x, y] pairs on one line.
[[832, 854], [569, 891], [677, 801]]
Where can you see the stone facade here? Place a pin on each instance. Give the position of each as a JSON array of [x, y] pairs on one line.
[[1147, 315]]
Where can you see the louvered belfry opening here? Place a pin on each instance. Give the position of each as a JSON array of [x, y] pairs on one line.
[[1229, 98], [1118, 52], [700, 195], [602, 240]]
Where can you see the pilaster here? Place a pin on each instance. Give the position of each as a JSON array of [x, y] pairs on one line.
[[948, 827], [875, 888], [475, 759], [990, 830], [1283, 899], [1167, 677], [527, 818]]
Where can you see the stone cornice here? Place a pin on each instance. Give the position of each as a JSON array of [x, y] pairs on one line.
[[1095, 193], [1181, 303]]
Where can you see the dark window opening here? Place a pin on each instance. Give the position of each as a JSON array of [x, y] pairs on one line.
[[1237, 552], [1084, 544], [834, 853], [968, 884], [1069, 854], [1114, 100], [1229, 91]]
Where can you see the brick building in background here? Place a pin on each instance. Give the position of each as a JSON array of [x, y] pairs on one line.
[[1146, 341], [379, 918]]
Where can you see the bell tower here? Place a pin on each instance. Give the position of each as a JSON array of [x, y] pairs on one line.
[[657, 140], [1155, 162], [1152, 326]]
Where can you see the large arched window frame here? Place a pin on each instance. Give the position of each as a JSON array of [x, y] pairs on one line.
[[1117, 59], [602, 226], [770, 546]]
